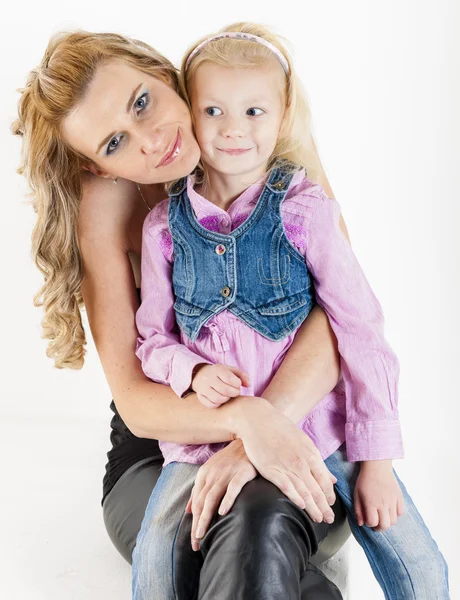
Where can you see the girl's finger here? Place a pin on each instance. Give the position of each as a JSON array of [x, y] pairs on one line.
[[226, 390], [371, 516], [359, 511], [206, 401], [241, 375], [228, 377], [188, 508], [400, 506], [393, 514], [384, 519], [214, 394]]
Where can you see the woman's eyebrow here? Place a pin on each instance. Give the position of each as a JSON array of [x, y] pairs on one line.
[[128, 108]]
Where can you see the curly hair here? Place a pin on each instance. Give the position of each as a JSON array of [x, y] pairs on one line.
[[53, 171]]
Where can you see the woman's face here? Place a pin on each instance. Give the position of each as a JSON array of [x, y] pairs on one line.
[[134, 126]]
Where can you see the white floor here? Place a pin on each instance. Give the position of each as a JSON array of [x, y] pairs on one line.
[[53, 543]]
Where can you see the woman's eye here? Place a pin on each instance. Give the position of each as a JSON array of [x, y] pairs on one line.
[[142, 102], [254, 112], [213, 111], [113, 144]]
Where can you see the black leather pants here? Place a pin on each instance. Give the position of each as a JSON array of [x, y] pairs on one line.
[[258, 551]]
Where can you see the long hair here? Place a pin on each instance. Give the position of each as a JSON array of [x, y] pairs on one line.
[[54, 170], [295, 142]]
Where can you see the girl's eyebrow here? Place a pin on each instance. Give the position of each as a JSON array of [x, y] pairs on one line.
[[211, 99], [128, 108]]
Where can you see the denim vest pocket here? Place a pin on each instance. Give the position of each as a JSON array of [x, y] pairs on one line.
[[186, 308], [283, 306], [187, 316], [285, 272]]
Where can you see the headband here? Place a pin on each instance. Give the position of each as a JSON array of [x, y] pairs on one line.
[[240, 36]]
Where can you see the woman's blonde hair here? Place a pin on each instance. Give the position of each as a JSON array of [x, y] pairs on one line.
[[295, 143], [53, 170]]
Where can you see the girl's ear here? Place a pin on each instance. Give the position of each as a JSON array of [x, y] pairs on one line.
[[96, 171]]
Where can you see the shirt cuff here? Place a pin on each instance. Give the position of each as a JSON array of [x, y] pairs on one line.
[[374, 440], [182, 369]]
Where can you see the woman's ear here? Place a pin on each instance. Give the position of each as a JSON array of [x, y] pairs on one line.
[[96, 171]]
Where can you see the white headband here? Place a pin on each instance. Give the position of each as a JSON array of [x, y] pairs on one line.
[[240, 36]]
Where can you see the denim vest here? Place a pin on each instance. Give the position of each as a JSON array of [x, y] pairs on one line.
[[254, 271]]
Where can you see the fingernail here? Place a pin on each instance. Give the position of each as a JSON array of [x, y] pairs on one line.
[[199, 533], [195, 546], [330, 520], [223, 510]]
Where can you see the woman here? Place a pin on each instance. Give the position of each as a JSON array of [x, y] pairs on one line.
[[77, 108]]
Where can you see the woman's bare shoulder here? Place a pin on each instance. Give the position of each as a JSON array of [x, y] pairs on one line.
[[107, 209]]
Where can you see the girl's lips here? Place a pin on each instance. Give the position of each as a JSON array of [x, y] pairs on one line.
[[173, 152], [234, 151]]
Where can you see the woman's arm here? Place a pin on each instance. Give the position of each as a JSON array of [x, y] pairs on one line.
[[149, 410]]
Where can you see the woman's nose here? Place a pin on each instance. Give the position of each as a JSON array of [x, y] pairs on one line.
[[153, 141]]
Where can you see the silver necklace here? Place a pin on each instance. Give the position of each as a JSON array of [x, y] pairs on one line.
[[142, 196]]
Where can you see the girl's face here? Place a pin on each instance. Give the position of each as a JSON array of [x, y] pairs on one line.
[[238, 115], [133, 125]]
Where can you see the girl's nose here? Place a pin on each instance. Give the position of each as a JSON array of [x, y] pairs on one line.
[[234, 128]]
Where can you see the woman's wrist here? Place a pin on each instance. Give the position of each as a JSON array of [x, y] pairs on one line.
[[243, 412]]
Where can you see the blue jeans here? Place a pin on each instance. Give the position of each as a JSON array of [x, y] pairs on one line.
[[153, 559], [405, 559]]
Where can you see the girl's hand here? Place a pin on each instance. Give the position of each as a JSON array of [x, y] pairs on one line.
[[216, 384], [219, 480], [378, 497], [286, 456]]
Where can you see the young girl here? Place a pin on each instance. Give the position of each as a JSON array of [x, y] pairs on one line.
[[233, 262]]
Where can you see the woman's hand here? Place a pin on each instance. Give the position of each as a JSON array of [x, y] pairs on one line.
[[286, 456], [223, 476]]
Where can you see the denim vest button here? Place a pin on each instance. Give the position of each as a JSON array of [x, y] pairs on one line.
[[226, 291], [220, 249]]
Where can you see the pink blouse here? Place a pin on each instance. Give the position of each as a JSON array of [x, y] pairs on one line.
[[362, 409]]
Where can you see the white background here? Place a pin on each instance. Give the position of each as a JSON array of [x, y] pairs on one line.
[[383, 81]]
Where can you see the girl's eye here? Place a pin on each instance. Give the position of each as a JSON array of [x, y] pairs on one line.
[[213, 111], [254, 112], [113, 144], [142, 102]]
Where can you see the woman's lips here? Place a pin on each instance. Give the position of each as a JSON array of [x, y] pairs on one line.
[[173, 151], [234, 151]]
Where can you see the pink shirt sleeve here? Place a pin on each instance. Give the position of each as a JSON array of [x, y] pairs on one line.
[[164, 359], [370, 368]]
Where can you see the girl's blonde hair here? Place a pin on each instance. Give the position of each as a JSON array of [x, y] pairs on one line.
[[54, 170], [295, 143]]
